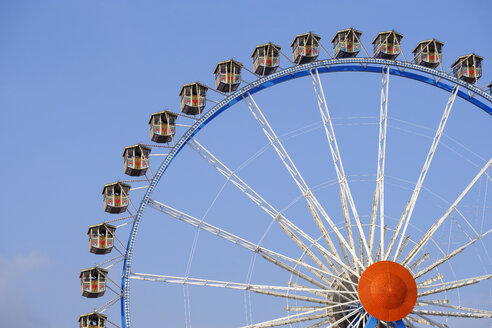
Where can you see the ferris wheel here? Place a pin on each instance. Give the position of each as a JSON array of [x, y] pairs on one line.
[[407, 259]]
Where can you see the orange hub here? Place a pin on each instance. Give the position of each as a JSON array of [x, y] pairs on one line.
[[387, 291]]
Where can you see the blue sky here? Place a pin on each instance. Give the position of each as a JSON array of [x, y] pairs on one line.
[[79, 80]]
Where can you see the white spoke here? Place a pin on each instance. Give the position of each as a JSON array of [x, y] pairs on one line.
[[232, 285], [285, 224], [333, 324], [453, 314], [264, 252], [419, 261], [461, 308], [429, 281], [337, 161], [426, 321], [296, 176], [407, 213], [379, 192], [439, 222], [449, 256], [290, 319], [454, 285]]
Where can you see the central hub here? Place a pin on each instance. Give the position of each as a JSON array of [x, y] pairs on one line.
[[387, 291]]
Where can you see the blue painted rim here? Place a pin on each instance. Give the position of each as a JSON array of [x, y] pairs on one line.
[[474, 95]]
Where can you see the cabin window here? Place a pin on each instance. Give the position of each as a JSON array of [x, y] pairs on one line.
[[203, 92], [342, 37], [156, 120], [129, 153], [109, 192], [301, 42], [138, 152], [86, 277], [102, 278], [222, 69], [261, 52], [94, 233], [187, 92]]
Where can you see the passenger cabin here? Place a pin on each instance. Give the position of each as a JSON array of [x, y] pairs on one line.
[[305, 48], [93, 282], [468, 68], [116, 197], [193, 98], [93, 320], [266, 59], [136, 160], [228, 75], [346, 43], [387, 45], [101, 238], [428, 53], [163, 126]]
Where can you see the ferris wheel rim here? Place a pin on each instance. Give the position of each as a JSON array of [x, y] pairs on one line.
[[371, 65]]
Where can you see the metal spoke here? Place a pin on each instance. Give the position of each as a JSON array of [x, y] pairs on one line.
[[407, 213], [284, 223], [290, 319], [449, 256], [269, 255], [428, 235], [233, 285], [313, 203], [453, 314], [461, 308], [454, 285], [426, 321], [346, 194], [333, 324]]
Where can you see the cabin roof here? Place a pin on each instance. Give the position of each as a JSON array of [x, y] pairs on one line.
[[304, 34], [263, 45], [115, 183], [191, 84], [227, 61], [359, 33], [135, 146], [160, 113], [93, 313], [387, 32], [107, 225], [466, 57], [93, 268], [427, 41]]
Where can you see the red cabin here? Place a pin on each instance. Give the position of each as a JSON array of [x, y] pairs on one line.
[[468, 68], [116, 196], [93, 320], [346, 43], [163, 126], [387, 45], [193, 98], [93, 282], [428, 53], [101, 238], [136, 160], [305, 48], [266, 59], [228, 75]]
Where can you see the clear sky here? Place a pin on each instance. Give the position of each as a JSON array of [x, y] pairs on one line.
[[79, 80]]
